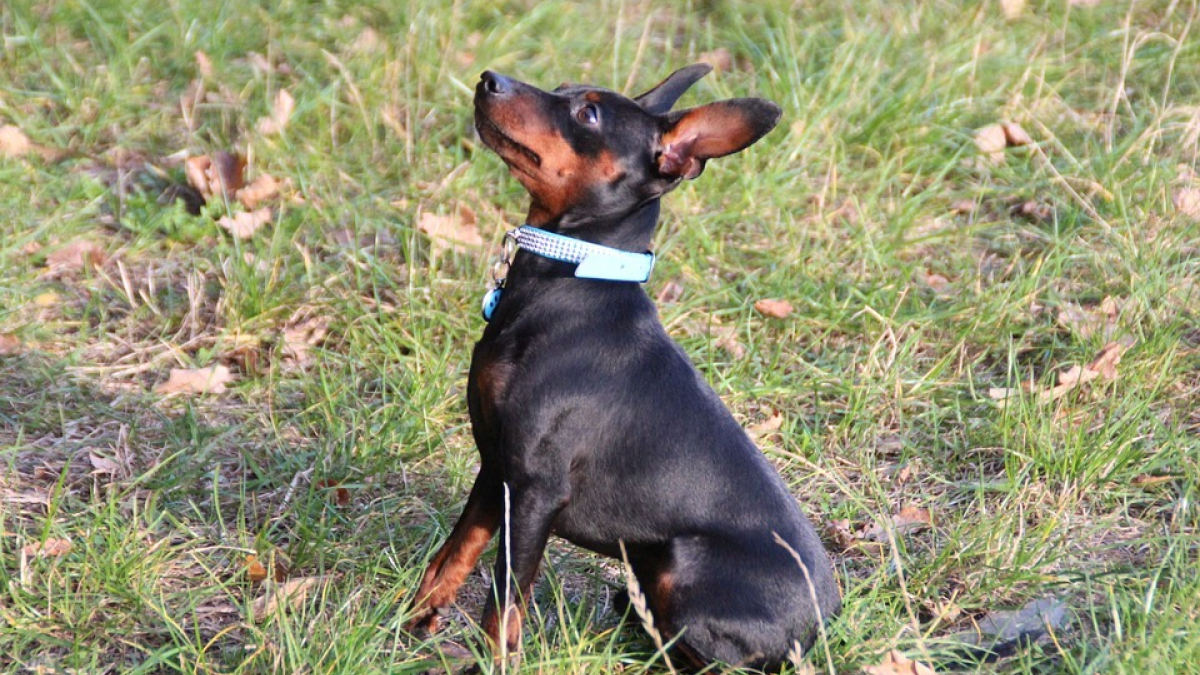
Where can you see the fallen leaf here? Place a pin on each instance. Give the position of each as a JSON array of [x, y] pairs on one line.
[[341, 496], [255, 570], [102, 465], [14, 142], [455, 232], [281, 114], [991, 141], [1104, 365], [1149, 479], [937, 282], [51, 548], [76, 255], [1035, 211], [726, 339], [1012, 8], [1099, 319], [1014, 135], [908, 520], [1106, 361], [290, 593], [368, 41], [244, 224], [964, 207], [9, 344], [778, 309], [299, 338], [220, 175], [211, 380], [264, 188], [1002, 394], [896, 663], [720, 59], [203, 64], [1187, 202], [671, 292], [839, 530], [766, 427]]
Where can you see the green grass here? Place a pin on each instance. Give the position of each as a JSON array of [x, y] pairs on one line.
[[844, 211]]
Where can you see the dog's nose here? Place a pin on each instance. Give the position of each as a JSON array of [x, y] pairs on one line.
[[495, 83]]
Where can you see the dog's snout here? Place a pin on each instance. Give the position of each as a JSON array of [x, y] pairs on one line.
[[495, 83]]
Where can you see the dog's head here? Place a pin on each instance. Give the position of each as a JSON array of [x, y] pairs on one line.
[[588, 149]]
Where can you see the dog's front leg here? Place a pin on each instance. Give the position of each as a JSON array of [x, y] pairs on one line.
[[529, 518], [454, 560]]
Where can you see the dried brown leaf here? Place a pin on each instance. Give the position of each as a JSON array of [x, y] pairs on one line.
[[264, 188], [220, 175], [908, 520], [1034, 210], [991, 141], [720, 59], [14, 142], [203, 64], [1103, 366], [255, 570], [299, 338], [842, 535], [937, 282], [455, 232], [896, 663], [766, 427], [288, 594], [1015, 136], [76, 255], [964, 207], [102, 465], [51, 548], [281, 114], [778, 309], [726, 339], [671, 292], [341, 496], [1012, 8], [1187, 202], [9, 344], [1099, 319], [243, 225], [210, 380]]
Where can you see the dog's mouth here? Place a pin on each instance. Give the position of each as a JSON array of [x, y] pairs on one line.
[[504, 145]]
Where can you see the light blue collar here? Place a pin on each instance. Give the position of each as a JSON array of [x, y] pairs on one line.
[[592, 261]]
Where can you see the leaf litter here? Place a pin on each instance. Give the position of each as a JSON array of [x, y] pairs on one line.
[[210, 380]]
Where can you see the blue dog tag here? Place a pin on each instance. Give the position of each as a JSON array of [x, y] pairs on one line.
[[490, 300]]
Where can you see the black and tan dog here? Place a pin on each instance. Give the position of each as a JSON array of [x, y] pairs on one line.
[[591, 422]]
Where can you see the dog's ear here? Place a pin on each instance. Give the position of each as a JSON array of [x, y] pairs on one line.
[[696, 135], [663, 96]]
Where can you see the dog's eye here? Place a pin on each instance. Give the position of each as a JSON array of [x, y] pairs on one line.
[[588, 114]]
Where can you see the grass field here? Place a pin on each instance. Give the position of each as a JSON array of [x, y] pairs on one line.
[[943, 399]]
